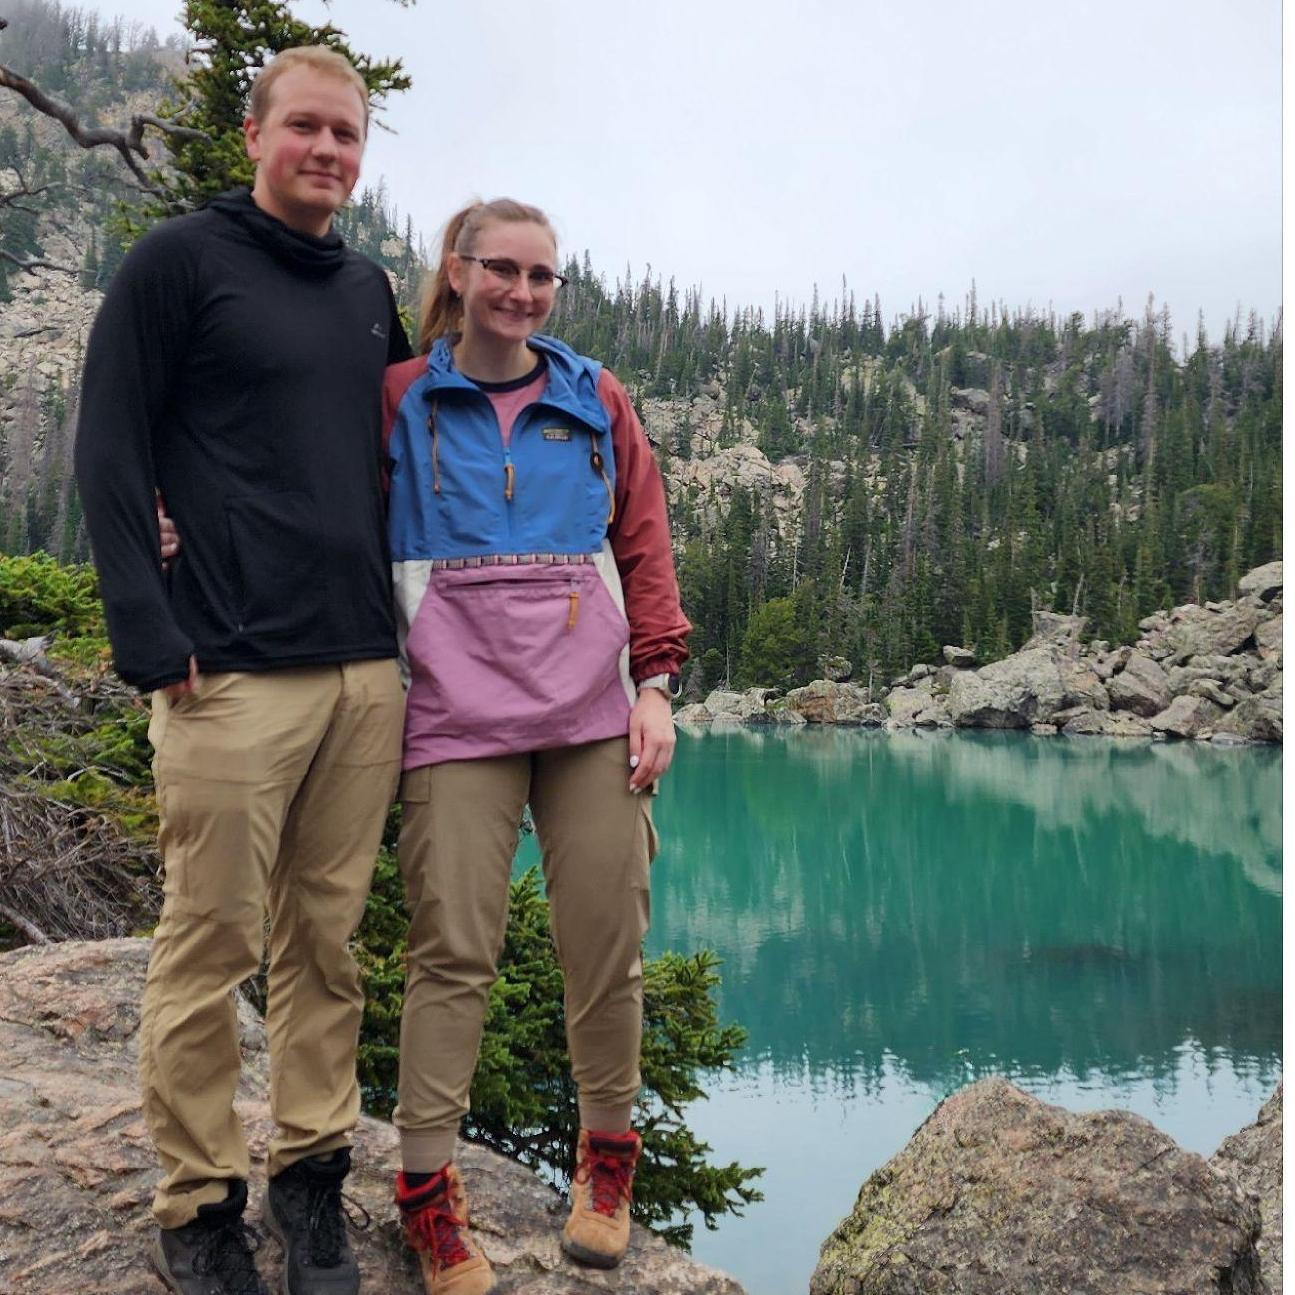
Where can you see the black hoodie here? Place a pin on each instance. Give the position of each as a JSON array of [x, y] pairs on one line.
[[236, 366]]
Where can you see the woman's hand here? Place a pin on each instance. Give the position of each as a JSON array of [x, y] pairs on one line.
[[174, 691], [168, 538], [651, 738]]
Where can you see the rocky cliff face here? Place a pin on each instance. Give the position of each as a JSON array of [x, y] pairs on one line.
[[77, 1169], [43, 329]]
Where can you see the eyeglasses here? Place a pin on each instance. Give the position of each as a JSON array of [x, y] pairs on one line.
[[539, 278]]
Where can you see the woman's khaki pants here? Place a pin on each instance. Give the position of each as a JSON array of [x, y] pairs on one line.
[[273, 789], [459, 835]]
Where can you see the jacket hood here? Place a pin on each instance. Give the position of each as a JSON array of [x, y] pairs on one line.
[[572, 378], [302, 252]]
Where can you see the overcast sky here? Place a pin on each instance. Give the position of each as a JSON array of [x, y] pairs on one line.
[[1059, 155]]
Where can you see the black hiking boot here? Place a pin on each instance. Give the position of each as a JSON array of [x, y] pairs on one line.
[[303, 1210], [212, 1255]]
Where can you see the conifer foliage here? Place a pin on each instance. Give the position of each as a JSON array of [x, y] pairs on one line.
[[961, 470]]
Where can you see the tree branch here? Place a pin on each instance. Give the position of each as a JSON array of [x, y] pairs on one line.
[[166, 125], [31, 653], [129, 144], [9, 197], [32, 266], [20, 923]]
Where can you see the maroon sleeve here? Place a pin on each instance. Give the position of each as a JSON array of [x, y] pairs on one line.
[[640, 540], [397, 381]]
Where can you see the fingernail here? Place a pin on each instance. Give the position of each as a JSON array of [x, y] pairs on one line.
[[634, 762]]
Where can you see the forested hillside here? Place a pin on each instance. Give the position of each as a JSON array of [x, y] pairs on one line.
[[99, 66], [843, 480], [960, 468]]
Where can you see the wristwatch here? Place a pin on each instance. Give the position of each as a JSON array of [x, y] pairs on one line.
[[667, 683]]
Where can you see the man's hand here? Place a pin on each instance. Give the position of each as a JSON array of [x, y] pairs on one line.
[[174, 691], [652, 738], [168, 538]]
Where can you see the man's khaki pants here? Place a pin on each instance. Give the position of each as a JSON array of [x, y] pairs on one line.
[[457, 840], [273, 789]]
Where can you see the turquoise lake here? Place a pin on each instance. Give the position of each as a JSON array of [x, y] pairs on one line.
[[899, 914]]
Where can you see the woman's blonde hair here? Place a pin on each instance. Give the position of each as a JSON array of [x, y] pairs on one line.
[[442, 309], [319, 58]]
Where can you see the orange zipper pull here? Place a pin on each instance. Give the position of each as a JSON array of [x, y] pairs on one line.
[[508, 482], [573, 608]]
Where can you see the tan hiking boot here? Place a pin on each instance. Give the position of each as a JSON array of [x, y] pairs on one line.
[[598, 1231], [436, 1226]]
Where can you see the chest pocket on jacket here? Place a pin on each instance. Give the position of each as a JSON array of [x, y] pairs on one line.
[[562, 496]]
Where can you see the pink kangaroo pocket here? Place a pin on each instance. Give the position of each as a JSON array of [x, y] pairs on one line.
[[513, 654]]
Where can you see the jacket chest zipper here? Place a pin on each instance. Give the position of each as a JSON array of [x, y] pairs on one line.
[[510, 475]]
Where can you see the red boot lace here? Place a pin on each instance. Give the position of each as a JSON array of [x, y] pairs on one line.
[[609, 1178], [438, 1230]]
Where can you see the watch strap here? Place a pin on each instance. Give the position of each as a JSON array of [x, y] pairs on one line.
[[666, 683]]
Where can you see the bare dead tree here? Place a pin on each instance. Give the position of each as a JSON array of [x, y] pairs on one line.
[[12, 198], [129, 143], [994, 449]]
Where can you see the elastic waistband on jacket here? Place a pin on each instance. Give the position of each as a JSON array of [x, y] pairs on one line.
[[509, 560]]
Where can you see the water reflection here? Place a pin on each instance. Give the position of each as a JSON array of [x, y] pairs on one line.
[[975, 903]]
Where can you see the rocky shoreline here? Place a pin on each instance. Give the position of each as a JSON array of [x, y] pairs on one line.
[[995, 1192], [1208, 673], [1000, 1192]]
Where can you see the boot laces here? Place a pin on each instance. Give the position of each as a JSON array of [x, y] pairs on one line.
[[609, 1178], [438, 1230], [318, 1203], [325, 1227], [225, 1252]]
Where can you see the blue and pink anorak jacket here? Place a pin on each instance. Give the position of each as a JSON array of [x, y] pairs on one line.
[[534, 582]]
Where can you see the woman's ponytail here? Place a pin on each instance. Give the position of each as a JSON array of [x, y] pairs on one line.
[[442, 311]]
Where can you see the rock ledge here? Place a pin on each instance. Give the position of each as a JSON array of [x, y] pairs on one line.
[[77, 1169], [998, 1192]]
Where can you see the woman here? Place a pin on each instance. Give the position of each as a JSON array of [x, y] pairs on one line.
[[543, 634]]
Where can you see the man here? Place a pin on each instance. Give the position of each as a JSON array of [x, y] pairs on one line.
[[236, 367]]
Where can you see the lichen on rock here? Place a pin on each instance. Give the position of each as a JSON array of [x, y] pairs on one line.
[[998, 1192]]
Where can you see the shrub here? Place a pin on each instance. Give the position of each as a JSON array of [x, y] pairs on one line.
[[38, 596]]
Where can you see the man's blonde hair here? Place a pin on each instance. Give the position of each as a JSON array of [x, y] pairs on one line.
[[319, 58]]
